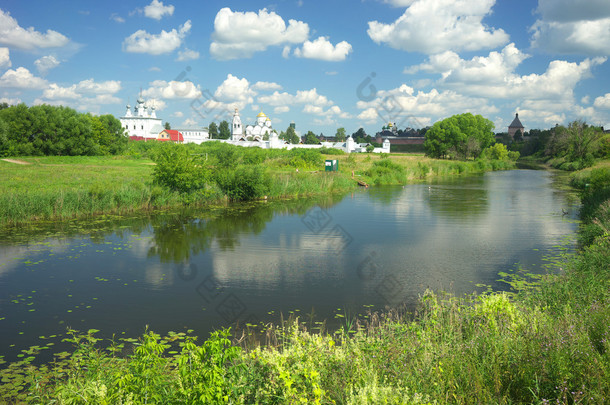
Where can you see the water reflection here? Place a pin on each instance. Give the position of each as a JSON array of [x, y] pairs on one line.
[[121, 274]]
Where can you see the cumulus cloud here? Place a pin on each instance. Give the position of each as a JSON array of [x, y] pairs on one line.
[[21, 78], [165, 42], [311, 96], [162, 89], [157, 10], [575, 37], [494, 75], [281, 110], [83, 88], [12, 34], [405, 106], [322, 49], [10, 101], [5, 59], [434, 26], [266, 86], [573, 10], [187, 54], [117, 18], [573, 27], [46, 63], [603, 102], [242, 34]]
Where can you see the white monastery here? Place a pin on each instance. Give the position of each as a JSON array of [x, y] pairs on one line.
[[143, 125]]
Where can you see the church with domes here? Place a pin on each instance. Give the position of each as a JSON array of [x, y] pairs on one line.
[[260, 131], [143, 124]]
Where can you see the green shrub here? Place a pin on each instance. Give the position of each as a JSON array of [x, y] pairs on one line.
[[178, 170], [244, 183]]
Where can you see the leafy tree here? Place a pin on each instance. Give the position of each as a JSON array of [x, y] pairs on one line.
[[370, 148], [577, 142], [459, 136], [518, 136], [213, 130], [340, 135], [311, 139], [359, 136], [291, 136], [167, 125], [224, 131]]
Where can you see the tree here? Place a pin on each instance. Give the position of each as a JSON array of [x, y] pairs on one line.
[[291, 136], [311, 139], [223, 130], [213, 130], [577, 142], [340, 135], [359, 136], [518, 136], [460, 136], [167, 125]]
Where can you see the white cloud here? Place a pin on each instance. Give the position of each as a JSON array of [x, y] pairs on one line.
[[494, 75], [603, 102], [157, 10], [312, 97], [172, 90], [154, 69], [178, 114], [89, 86], [268, 86], [282, 109], [242, 34], [575, 37], [322, 49], [189, 122], [21, 78], [399, 3], [235, 90], [46, 63], [165, 42], [408, 108], [12, 34], [434, 26], [187, 54], [573, 26], [5, 59], [102, 91], [573, 10], [10, 101], [157, 103], [286, 52], [117, 18]]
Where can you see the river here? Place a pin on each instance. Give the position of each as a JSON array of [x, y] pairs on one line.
[[327, 257]]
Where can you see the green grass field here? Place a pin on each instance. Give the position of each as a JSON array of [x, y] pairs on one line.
[[47, 188]]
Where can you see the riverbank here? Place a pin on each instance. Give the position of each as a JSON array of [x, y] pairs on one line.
[[546, 342], [50, 188]]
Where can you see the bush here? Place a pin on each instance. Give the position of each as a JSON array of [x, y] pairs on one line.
[[331, 151], [244, 183], [178, 170]]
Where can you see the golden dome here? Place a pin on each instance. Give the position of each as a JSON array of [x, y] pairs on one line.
[[390, 125], [261, 114]]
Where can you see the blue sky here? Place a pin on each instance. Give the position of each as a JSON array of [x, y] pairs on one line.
[[323, 65]]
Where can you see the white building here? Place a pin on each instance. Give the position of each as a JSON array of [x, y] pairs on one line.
[[194, 135], [142, 123], [258, 132]]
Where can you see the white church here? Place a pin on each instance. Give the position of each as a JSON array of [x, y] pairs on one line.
[[143, 125]]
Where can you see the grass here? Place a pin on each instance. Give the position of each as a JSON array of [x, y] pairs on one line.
[[57, 187]]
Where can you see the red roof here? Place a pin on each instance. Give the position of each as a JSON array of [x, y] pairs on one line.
[[175, 136], [137, 138]]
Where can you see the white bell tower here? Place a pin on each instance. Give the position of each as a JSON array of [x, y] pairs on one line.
[[237, 130]]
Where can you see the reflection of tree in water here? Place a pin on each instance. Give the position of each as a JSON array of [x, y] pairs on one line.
[[177, 238], [463, 198], [385, 195]]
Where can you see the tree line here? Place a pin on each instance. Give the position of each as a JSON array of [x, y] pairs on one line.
[[58, 131]]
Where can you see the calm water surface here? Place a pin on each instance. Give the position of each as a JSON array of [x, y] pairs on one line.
[[251, 262]]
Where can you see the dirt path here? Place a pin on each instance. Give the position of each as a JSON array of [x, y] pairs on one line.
[[19, 162]]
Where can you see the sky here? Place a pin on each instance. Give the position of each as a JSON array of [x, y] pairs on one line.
[[323, 65]]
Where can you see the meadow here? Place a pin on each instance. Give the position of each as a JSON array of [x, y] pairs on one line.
[[61, 187]]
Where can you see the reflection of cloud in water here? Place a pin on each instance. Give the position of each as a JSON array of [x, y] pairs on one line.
[[292, 260], [13, 256], [158, 276]]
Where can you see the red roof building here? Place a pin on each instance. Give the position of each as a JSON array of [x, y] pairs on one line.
[[170, 135]]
